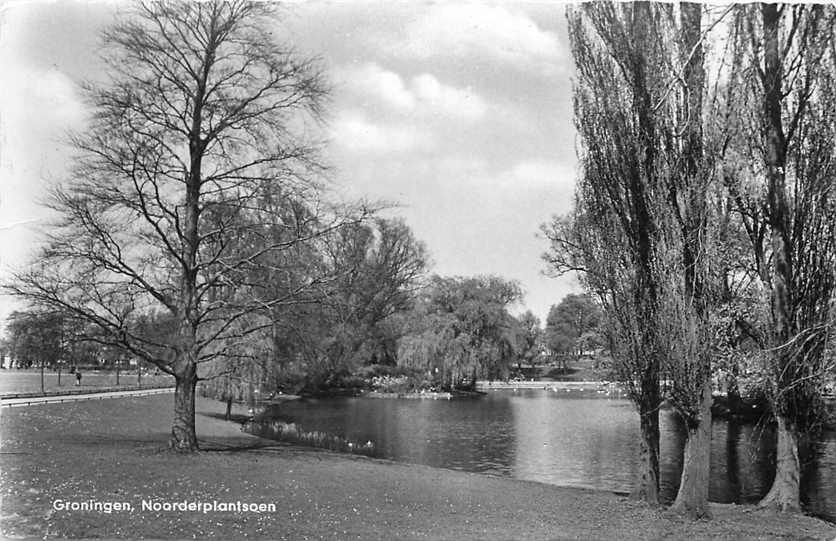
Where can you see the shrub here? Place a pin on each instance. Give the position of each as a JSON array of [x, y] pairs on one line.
[[390, 384]]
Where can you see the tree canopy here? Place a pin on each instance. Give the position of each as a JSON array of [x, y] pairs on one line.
[[461, 329], [571, 324]]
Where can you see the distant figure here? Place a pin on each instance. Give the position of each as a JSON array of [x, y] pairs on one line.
[[77, 378]]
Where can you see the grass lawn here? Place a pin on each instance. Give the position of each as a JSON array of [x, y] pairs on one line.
[[111, 451], [29, 381], [582, 370]]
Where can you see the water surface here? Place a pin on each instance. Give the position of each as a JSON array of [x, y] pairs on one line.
[[562, 438]]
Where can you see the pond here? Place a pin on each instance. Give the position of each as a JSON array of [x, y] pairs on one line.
[[561, 438]]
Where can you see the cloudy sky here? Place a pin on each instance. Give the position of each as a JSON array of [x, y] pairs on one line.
[[460, 112]]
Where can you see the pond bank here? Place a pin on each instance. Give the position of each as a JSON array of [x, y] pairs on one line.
[[549, 385], [426, 395], [110, 451]]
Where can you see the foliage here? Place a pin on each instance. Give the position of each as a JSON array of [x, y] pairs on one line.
[[352, 319], [391, 384], [378, 267], [35, 338], [530, 338], [572, 326], [461, 329]]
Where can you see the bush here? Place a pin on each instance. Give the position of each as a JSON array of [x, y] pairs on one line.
[[390, 384]]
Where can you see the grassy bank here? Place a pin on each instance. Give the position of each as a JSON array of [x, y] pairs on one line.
[[14, 381], [110, 451]]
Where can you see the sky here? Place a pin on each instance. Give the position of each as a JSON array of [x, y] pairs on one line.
[[459, 112]]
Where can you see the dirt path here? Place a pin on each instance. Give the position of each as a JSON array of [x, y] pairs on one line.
[[100, 395]]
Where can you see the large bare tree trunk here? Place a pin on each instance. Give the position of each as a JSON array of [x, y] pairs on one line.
[[785, 492], [183, 436], [692, 497]]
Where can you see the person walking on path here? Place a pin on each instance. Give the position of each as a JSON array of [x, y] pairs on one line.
[[77, 378]]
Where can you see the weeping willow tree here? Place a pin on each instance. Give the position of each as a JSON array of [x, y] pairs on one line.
[[460, 329]]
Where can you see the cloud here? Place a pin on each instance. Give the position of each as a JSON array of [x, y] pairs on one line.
[[34, 98], [447, 99], [465, 29], [354, 132], [371, 81], [37, 108], [523, 177], [424, 95], [533, 174]]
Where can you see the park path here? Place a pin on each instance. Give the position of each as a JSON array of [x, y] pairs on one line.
[[34, 400]]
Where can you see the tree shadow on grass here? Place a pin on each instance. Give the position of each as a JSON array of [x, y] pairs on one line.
[[235, 446], [239, 418], [112, 440]]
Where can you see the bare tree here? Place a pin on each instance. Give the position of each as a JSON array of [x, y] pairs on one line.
[[199, 128]]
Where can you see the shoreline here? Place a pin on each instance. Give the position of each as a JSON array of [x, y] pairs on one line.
[[111, 450]]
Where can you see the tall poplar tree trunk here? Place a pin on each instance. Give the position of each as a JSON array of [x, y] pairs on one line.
[[641, 185], [692, 497], [624, 184], [648, 486], [785, 490]]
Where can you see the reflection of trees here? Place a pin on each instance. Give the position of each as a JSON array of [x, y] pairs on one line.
[[733, 459], [670, 454], [538, 436], [757, 462], [742, 460], [818, 460], [475, 435]]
